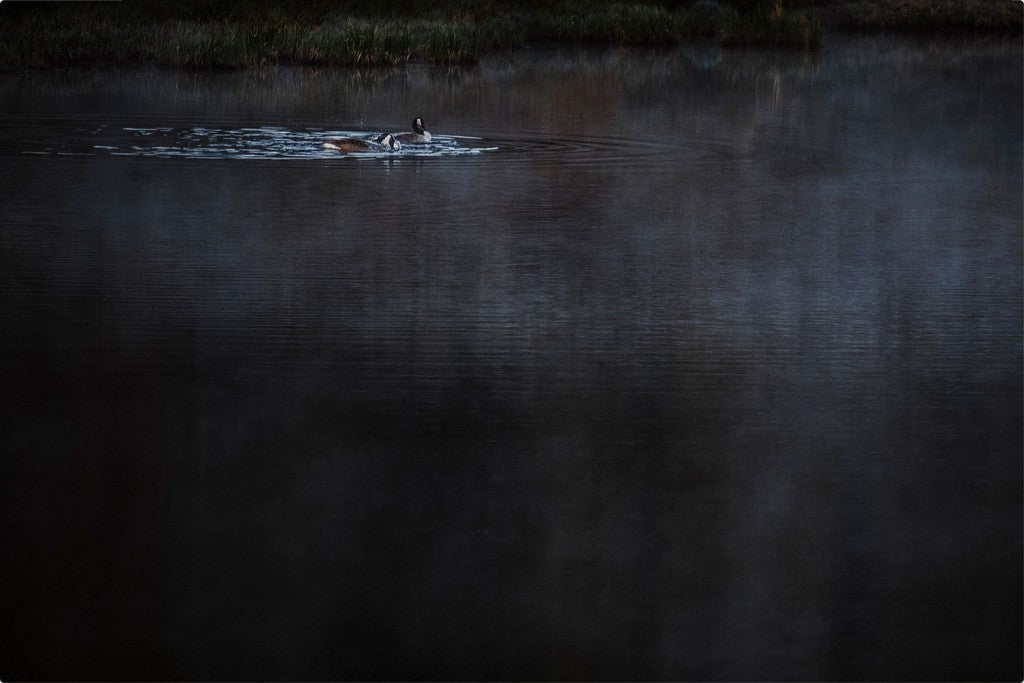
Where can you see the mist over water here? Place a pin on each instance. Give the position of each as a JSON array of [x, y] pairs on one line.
[[682, 365]]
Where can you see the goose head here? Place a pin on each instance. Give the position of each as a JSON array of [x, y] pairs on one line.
[[388, 140]]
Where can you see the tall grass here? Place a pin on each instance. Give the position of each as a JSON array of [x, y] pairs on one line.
[[224, 44], [618, 22], [245, 33], [927, 15], [796, 29]]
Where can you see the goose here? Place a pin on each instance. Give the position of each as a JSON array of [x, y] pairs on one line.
[[384, 143], [419, 134]]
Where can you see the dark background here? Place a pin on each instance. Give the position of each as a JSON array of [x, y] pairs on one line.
[[711, 371]]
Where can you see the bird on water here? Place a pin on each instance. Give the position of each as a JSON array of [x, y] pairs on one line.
[[383, 143], [419, 134]]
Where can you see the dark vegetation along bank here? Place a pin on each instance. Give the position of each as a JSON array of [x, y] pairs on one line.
[[225, 33]]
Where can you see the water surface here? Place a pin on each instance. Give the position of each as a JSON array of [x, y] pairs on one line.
[[659, 365]]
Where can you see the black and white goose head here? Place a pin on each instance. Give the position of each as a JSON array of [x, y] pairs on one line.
[[388, 141], [419, 134]]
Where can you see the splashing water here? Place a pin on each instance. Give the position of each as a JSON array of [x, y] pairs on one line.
[[270, 143]]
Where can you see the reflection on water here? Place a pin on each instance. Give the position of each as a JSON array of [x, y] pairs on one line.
[[708, 366]]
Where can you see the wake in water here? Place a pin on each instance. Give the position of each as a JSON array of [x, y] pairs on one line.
[[230, 143], [276, 142], [271, 143]]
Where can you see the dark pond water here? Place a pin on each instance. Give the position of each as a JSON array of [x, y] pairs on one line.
[[654, 365]]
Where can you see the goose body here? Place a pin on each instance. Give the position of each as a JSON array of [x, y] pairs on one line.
[[384, 143], [418, 136]]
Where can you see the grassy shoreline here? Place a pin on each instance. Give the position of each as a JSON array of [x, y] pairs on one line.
[[245, 33]]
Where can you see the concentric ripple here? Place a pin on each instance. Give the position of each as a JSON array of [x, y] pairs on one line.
[[58, 138], [271, 143], [544, 148]]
